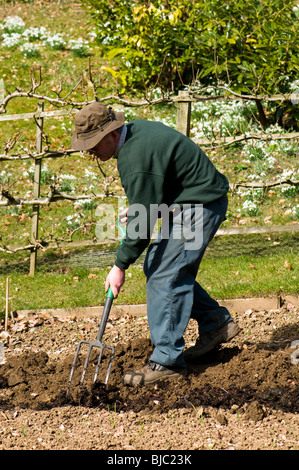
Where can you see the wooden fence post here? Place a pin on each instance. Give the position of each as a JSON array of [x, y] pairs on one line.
[[2, 90], [183, 112], [36, 189]]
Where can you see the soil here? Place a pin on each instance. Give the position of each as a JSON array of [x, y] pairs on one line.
[[242, 396]]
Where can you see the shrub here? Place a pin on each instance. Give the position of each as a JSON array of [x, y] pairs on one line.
[[252, 44]]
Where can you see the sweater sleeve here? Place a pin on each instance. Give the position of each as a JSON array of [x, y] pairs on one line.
[[145, 193]]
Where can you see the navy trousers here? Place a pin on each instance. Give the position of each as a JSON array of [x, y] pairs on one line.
[[173, 294]]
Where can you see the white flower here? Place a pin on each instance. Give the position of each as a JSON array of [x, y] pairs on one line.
[[271, 162], [89, 174], [286, 174], [67, 177], [80, 47], [33, 34], [29, 50], [93, 34], [56, 41], [295, 211], [79, 203], [288, 191], [11, 40], [250, 207], [13, 24]]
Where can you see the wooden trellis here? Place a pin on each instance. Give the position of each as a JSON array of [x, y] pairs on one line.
[[183, 103]]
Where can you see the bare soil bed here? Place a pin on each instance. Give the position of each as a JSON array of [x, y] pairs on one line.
[[243, 396]]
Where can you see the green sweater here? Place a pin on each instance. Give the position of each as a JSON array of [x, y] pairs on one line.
[[159, 165]]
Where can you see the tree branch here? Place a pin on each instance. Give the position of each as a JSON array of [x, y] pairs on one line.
[[272, 184], [53, 196]]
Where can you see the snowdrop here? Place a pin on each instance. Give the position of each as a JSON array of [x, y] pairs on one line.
[[250, 208], [295, 211], [66, 182], [218, 118], [67, 177], [85, 204], [79, 203], [79, 47], [167, 121], [11, 40], [2, 176], [73, 221], [89, 174], [129, 113], [34, 34], [288, 191], [56, 41], [46, 174], [93, 35], [29, 50], [271, 162], [286, 174], [13, 24]]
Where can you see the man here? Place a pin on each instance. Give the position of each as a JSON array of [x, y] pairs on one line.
[[159, 167]]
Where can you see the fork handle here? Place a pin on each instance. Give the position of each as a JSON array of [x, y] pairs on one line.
[[106, 311]]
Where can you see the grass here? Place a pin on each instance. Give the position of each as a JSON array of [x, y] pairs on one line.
[[233, 267]]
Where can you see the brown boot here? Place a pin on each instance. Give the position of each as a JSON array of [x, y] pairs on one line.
[[150, 373], [209, 341]]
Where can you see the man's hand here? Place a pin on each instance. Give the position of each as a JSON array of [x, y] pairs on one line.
[[123, 216], [115, 279]]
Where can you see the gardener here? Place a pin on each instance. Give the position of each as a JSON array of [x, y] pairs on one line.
[[160, 167]]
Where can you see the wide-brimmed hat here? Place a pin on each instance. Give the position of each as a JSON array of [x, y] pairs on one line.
[[92, 123]]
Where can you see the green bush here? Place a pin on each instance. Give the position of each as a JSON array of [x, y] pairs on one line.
[[250, 45], [249, 40]]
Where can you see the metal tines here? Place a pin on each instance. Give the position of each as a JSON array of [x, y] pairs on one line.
[[98, 342], [95, 344]]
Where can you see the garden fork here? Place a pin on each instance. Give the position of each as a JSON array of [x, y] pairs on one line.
[[98, 341]]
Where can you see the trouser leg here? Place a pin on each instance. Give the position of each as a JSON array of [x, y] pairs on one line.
[[207, 311], [169, 291], [172, 292]]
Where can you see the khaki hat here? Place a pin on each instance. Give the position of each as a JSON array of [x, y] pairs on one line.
[[92, 123]]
